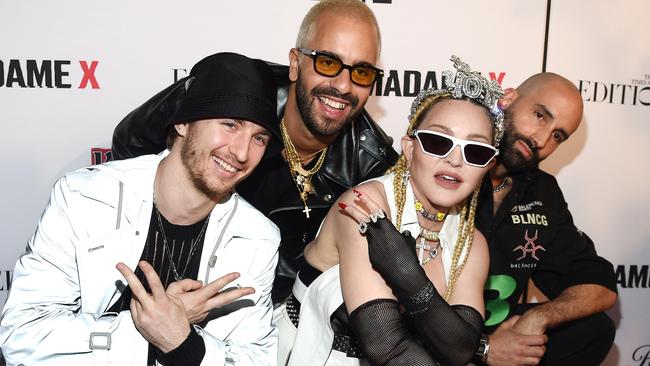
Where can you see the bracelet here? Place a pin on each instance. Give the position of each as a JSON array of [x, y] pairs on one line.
[[481, 353], [420, 301]]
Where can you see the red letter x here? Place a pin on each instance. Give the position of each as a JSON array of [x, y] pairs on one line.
[[89, 74], [499, 79]]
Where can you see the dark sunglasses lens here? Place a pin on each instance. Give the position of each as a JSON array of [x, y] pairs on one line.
[[477, 154], [327, 65], [435, 144], [363, 75]]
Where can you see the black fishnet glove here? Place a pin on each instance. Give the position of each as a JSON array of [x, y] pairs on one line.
[[393, 255], [451, 333], [384, 337]]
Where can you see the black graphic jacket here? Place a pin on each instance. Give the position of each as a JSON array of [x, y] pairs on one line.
[[533, 236]]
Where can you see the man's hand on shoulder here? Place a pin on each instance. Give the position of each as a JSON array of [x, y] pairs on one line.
[[510, 347]]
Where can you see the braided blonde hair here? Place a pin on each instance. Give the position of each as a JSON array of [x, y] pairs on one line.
[[467, 213], [400, 168]]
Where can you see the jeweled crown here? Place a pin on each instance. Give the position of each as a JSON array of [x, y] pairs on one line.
[[465, 83]]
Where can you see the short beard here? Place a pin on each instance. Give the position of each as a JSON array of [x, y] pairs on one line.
[[509, 156], [191, 159], [327, 127]]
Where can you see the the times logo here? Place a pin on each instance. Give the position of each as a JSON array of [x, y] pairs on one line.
[[635, 93], [48, 74]]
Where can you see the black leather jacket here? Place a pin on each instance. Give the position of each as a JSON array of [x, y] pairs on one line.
[[362, 151]]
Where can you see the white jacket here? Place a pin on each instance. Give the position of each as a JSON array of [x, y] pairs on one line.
[[64, 283]]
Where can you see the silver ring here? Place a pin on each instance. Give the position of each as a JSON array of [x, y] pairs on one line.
[[363, 226], [379, 214]]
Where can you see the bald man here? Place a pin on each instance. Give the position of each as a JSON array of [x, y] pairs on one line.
[[531, 235]]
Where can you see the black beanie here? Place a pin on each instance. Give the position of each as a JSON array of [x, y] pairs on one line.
[[230, 85]]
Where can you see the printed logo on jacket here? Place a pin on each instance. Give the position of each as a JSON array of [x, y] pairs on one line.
[[528, 251], [520, 214], [59, 74]]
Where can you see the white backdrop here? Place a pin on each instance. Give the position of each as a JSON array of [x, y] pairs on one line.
[[137, 45], [602, 168]]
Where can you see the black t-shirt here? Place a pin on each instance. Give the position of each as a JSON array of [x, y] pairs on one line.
[[533, 236], [181, 242], [180, 239]]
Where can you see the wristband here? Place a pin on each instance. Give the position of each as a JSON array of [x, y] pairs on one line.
[[420, 301], [481, 353]]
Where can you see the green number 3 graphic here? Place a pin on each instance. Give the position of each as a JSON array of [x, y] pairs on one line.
[[499, 307]]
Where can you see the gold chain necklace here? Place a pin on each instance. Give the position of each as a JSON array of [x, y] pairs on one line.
[[300, 176]]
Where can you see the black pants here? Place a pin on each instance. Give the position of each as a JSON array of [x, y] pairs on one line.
[[583, 342]]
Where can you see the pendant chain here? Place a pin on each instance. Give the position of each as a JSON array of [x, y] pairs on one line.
[[428, 235], [194, 243], [300, 175]]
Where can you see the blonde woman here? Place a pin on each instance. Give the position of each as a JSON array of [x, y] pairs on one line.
[[414, 298]]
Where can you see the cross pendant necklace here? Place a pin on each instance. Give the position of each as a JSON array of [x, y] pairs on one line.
[[421, 246], [300, 176], [304, 187]]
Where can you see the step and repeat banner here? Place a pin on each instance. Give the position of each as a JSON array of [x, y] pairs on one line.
[[70, 70], [602, 46]]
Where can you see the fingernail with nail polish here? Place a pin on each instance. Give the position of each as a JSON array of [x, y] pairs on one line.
[[356, 193], [342, 205]]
